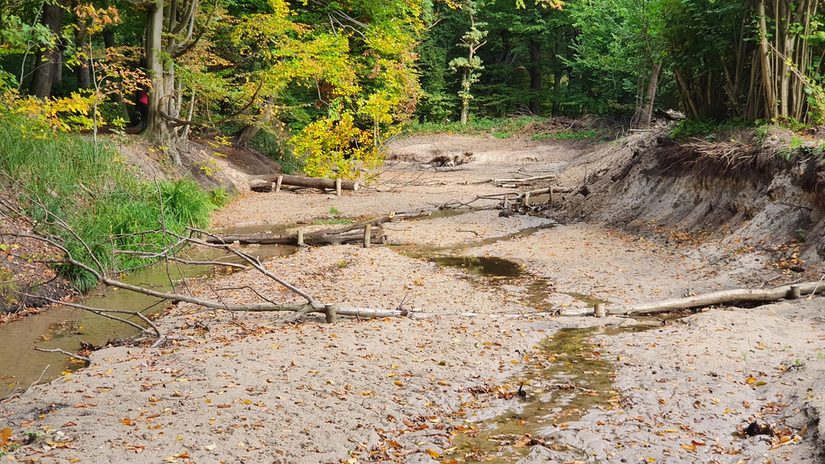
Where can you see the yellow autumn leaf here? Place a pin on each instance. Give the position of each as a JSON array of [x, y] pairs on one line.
[[5, 436]]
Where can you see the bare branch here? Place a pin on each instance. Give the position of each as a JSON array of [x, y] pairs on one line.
[[71, 355]]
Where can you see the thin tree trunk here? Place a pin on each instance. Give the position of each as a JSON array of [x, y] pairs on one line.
[[764, 55], [690, 105], [535, 76], [650, 94], [465, 102]]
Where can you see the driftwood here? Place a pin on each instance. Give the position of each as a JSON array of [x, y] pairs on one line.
[[517, 182], [264, 183], [353, 233], [323, 237], [723, 297], [525, 202]]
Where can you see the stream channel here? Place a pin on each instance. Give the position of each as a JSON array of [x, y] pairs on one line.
[[65, 327], [565, 376]]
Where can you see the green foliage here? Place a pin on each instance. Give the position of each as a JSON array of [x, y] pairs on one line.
[[705, 128], [567, 135], [67, 176], [278, 149], [498, 127], [337, 148]]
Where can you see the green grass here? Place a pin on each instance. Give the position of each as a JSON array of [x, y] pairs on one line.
[[501, 128], [96, 194], [567, 135]]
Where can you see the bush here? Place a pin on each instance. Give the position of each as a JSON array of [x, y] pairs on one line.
[[336, 148]]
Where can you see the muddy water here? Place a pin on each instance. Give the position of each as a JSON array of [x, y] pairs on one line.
[[566, 376], [65, 327]]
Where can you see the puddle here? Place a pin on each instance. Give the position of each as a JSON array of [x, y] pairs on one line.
[[589, 300], [65, 327], [565, 378], [445, 213], [482, 265]]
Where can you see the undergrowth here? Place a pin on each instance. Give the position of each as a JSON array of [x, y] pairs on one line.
[[567, 135], [270, 145], [707, 129], [501, 128], [96, 194]]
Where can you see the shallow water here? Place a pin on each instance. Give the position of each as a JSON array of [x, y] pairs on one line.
[[565, 377], [65, 327]]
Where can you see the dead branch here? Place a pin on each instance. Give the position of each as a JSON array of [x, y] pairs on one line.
[[71, 355], [724, 297], [104, 312], [180, 242]]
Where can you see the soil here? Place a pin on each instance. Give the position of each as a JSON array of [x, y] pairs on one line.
[[252, 388], [22, 270]]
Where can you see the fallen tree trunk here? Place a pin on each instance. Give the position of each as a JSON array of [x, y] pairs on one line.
[[323, 237], [342, 235], [264, 183], [742, 295], [515, 182]]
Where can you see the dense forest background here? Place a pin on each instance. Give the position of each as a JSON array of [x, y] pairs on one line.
[[331, 81]]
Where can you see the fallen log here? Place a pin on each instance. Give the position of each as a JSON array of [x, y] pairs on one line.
[[724, 297], [515, 182], [353, 233], [259, 183], [322, 237]]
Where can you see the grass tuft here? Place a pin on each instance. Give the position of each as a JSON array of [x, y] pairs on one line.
[[99, 197]]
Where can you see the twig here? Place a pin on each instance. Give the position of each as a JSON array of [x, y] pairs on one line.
[[58, 350]]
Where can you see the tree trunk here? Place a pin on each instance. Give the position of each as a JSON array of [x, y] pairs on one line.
[[249, 132], [767, 74], [650, 95], [44, 75], [465, 101], [161, 96], [724, 297], [535, 76]]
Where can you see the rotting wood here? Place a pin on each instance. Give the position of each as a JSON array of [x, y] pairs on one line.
[[724, 297], [264, 183]]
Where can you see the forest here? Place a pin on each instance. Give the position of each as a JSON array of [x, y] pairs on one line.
[[333, 81]]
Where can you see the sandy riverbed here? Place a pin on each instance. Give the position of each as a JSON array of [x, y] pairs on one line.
[[249, 388]]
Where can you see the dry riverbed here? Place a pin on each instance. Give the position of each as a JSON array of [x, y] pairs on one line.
[[490, 296]]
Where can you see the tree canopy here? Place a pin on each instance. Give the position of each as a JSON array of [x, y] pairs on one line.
[[334, 80]]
